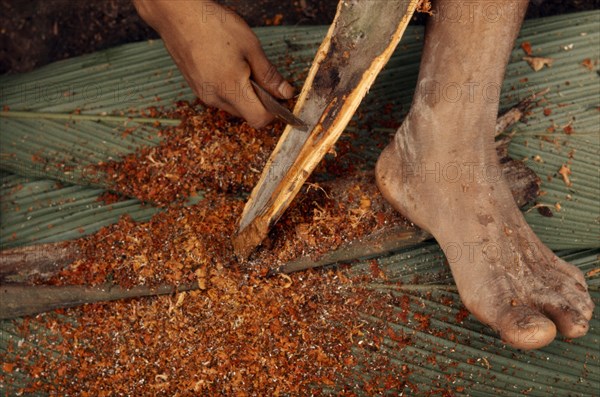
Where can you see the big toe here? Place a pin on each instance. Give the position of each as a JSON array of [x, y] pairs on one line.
[[525, 328]]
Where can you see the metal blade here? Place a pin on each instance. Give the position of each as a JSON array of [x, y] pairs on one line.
[[280, 111]]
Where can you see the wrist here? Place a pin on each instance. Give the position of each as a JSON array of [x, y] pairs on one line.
[[157, 12]]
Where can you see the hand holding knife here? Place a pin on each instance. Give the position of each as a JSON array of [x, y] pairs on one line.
[[276, 108]]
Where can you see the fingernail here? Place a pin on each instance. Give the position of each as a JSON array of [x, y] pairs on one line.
[[286, 90]]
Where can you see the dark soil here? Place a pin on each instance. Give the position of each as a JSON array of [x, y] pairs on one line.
[[36, 32]]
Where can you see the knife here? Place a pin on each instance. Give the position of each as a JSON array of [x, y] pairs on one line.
[[277, 109]]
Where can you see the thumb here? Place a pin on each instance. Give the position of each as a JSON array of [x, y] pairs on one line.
[[267, 76]]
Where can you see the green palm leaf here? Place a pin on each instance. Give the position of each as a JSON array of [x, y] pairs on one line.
[[73, 113]]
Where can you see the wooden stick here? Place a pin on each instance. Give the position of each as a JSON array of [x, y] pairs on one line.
[[39, 259], [87, 117], [343, 70], [382, 241], [25, 300]]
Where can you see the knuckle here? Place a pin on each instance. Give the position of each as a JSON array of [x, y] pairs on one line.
[[271, 75]]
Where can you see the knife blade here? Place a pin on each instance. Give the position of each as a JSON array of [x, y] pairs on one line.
[[277, 109]]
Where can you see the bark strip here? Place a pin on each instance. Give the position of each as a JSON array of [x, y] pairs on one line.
[[345, 67]]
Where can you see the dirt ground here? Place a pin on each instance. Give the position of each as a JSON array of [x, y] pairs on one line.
[[36, 32]]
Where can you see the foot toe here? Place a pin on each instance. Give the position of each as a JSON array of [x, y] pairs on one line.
[[525, 328], [570, 270], [570, 322], [581, 303]]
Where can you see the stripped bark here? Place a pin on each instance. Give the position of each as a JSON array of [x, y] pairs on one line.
[[346, 65]]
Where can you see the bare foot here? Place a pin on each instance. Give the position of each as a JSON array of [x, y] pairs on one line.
[[505, 276], [442, 172]]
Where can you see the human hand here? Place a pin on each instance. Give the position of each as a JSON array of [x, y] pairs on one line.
[[217, 53]]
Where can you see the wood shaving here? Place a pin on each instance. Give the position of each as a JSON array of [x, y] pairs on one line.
[[565, 172], [538, 63]]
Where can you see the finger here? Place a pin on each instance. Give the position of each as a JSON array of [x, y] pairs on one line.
[[250, 107], [267, 76]]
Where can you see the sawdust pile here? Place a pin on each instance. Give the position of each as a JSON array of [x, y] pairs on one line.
[[240, 332]]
